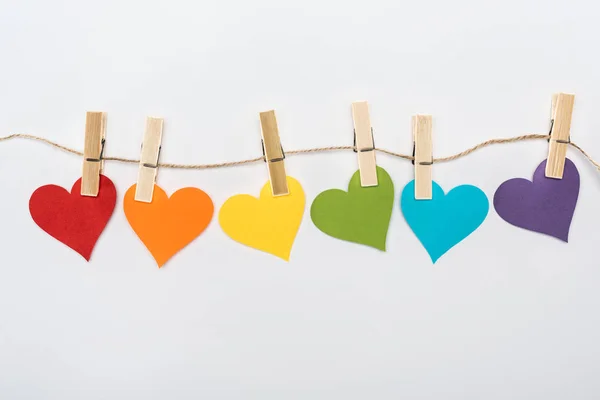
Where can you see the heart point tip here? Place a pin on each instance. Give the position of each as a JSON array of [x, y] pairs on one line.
[[284, 257]]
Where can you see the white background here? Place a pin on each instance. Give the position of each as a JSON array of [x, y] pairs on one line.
[[506, 314]]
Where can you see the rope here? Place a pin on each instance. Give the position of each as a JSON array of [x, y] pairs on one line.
[[304, 151]]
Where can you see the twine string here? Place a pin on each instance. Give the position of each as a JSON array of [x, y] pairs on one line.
[[304, 151]]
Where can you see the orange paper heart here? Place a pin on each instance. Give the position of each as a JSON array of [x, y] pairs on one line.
[[167, 225]]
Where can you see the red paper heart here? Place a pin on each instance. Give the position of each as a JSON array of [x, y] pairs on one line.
[[71, 218]]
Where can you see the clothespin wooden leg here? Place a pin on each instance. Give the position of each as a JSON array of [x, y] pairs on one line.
[[93, 149], [144, 189], [364, 144], [273, 152], [562, 106], [421, 126]]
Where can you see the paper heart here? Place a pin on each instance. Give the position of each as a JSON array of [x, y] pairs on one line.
[[268, 223], [167, 225], [360, 215], [73, 219], [544, 205], [445, 220]]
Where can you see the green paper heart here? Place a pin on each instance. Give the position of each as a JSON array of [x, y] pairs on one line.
[[360, 215]]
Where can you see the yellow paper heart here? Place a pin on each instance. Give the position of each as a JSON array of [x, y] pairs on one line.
[[268, 223]]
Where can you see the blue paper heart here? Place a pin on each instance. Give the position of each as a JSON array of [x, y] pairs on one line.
[[445, 220]]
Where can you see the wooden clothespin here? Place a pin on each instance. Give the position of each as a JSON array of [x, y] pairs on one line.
[[562, 111], [144, 189], [364, 144], [421, 127], [93, 149], [273, 152]]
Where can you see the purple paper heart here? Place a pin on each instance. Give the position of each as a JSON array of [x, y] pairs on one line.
[[545, 205]]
